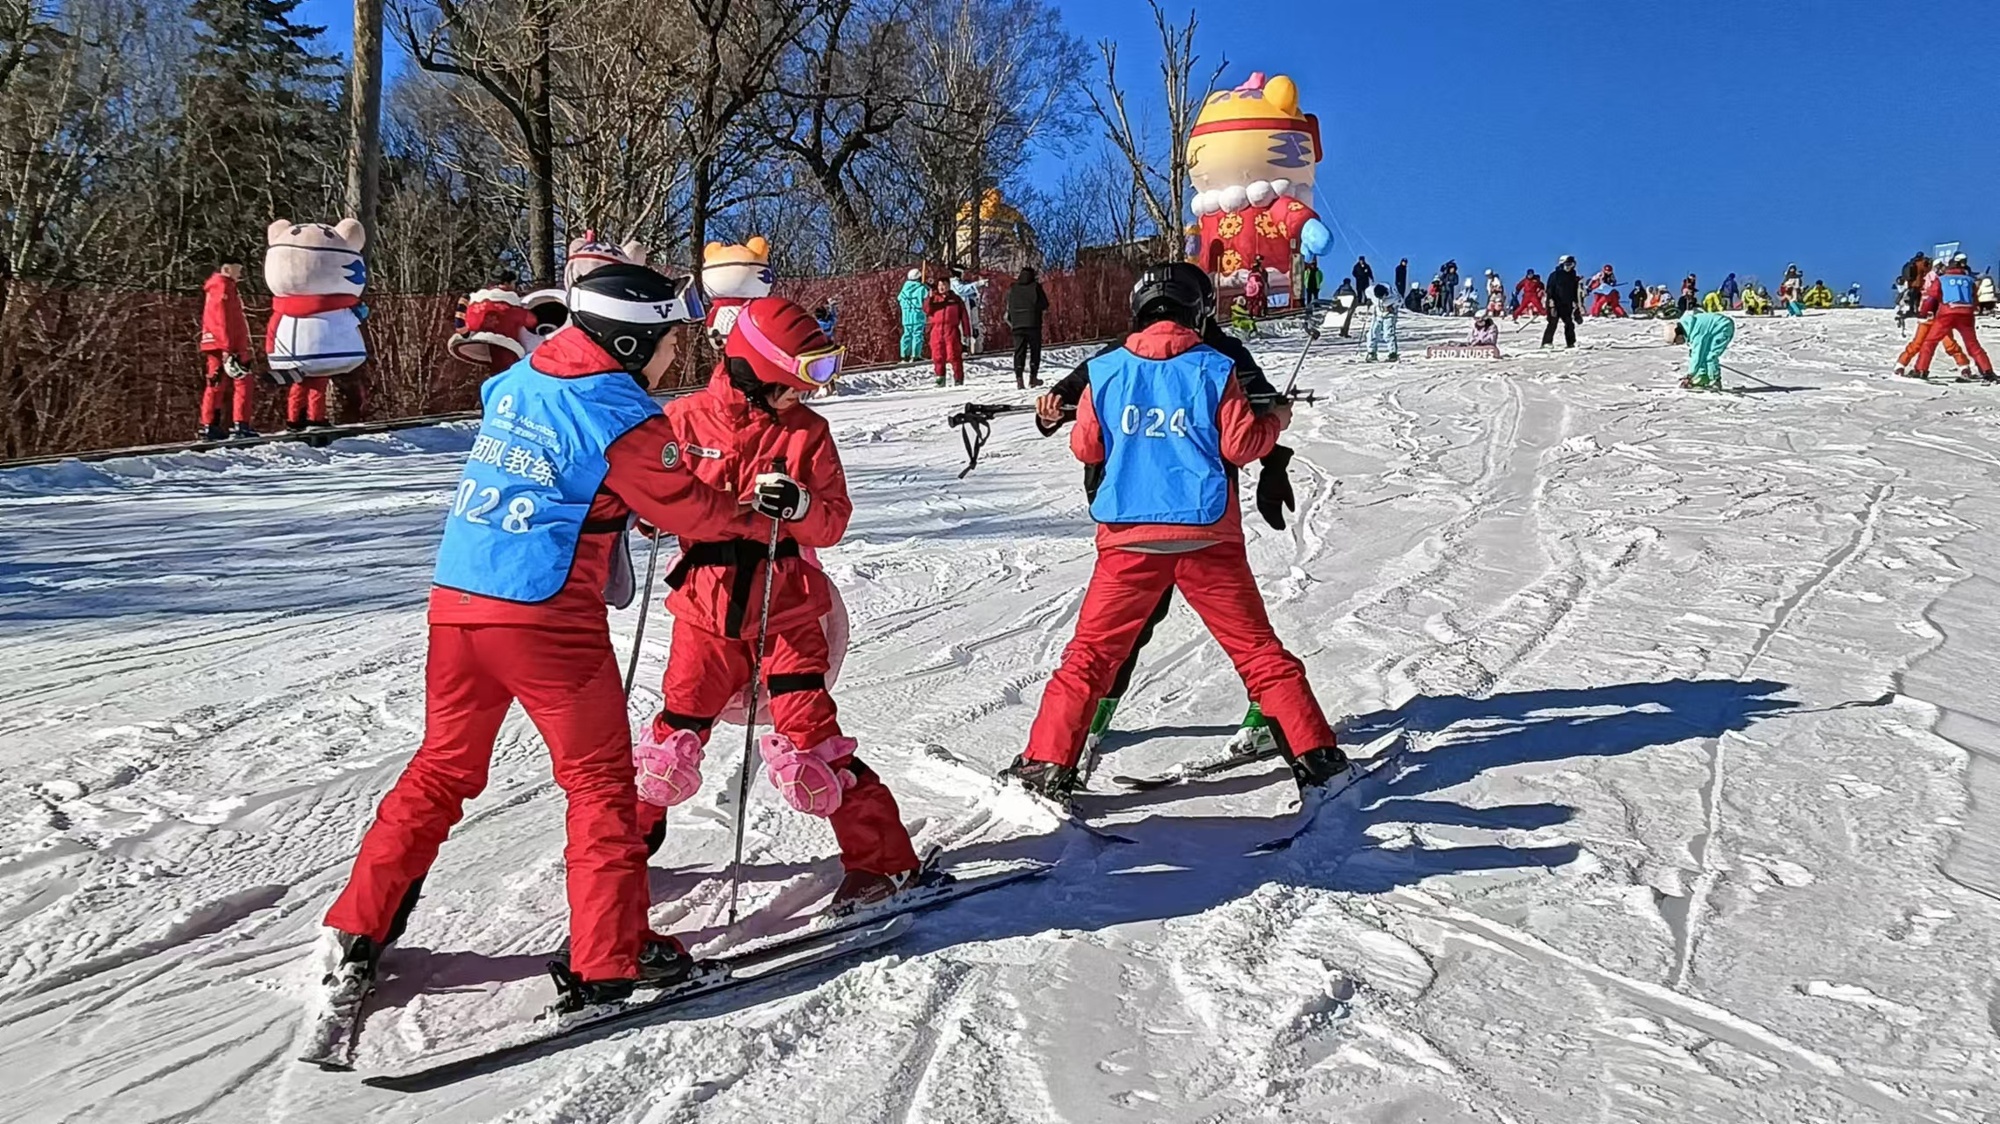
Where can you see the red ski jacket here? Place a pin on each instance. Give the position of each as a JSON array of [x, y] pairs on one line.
[[224, 331], [1245, 437], [719, 580], [648, 475], [946, 316]]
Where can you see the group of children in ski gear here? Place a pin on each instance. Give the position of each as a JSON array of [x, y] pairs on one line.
[[572, 450], [1948, 304]]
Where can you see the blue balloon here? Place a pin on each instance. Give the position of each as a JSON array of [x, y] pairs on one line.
[[1315, 239]]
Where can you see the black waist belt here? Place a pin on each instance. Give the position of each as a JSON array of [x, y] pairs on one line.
[[742, 556]]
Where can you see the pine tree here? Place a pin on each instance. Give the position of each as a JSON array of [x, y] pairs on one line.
[[261, 135]]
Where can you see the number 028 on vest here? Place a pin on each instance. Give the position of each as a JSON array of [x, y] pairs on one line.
[[535, 467], [1162, 444]]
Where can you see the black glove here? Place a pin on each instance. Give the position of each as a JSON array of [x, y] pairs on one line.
[[1274, 488], [781, 497]]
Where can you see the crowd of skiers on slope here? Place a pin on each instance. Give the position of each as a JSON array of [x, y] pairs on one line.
[[1602, 294], [572, 451]]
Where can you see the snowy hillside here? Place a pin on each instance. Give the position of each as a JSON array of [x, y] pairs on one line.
[[1701, 822]]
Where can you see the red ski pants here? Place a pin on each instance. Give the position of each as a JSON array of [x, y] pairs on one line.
[[569, 685], [1951, 320], [946, 347], [216, 390], [1124, 590], [1603, 301], [1530, 306], [705, 671], [307, 402]]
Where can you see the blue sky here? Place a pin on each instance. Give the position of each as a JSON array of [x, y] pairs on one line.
[[1711, 137]]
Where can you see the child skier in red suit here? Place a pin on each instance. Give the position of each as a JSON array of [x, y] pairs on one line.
[[1168, 420], [747, 433]]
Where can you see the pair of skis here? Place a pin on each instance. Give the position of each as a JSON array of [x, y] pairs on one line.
[[331, 1033]]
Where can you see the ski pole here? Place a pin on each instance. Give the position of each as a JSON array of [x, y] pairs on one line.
[[645, 603], [1745, 374], [1312, 337], [750, 715]]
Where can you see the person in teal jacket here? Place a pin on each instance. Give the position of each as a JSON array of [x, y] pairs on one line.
[[911, 300], [1707, 335]]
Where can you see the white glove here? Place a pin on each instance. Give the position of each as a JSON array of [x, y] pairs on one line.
[[781, 497]]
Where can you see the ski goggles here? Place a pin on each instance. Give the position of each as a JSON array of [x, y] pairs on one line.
[[685, 307], [811, 369]]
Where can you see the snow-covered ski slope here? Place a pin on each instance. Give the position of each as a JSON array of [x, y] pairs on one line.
[[1700, 821]]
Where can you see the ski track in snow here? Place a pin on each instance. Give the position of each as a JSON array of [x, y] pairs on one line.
[[1701, 820]]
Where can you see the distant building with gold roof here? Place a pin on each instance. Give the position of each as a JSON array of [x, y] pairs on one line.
[[1006, 240]]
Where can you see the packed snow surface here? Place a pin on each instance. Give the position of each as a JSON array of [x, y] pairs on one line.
[[1700, 820]]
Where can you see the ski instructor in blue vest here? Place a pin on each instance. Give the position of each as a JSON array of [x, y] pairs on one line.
[[570, 446], [1168, 419]]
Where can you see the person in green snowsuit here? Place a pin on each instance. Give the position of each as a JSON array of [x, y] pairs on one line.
[[1707, 335], [911, 300]]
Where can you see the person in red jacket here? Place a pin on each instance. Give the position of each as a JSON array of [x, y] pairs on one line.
[[1951, 303], [1528, 297], [225, 351], [945, 317], [569, 449], [748, 433], [1168, 420]]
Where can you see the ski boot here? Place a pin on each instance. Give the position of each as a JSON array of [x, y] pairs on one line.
[[1965, 375], [1393, 357], [663, 960], [1915, 374], [212, 433], [242, 433], [1988, 376], [940, 382], [574, 993], [1257, 734], [1057, 783], [359, 957], [865, 887], [1370, 358], [1316, 767]]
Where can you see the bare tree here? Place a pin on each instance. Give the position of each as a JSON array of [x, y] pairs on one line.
[[505, 48], [996, 78], [840, 91], [734, 63], [1158, 164]]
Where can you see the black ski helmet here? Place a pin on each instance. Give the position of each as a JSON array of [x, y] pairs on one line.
[[1179, 289], [628, 309]]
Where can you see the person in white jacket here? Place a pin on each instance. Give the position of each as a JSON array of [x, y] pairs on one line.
[[1382, 324]]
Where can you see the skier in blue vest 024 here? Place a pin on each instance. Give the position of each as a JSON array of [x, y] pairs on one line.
[[570, 446], [1168, 419]]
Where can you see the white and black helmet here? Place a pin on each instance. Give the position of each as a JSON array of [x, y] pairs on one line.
[[1181, 289], [628, 309]]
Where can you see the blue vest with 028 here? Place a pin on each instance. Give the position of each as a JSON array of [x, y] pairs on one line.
[[535, 467], [1162, 441]]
